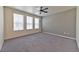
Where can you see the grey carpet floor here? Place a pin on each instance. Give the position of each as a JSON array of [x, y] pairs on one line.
[[40, 42]]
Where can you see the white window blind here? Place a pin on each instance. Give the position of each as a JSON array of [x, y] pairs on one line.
[[29, 22], [18, 22], [36, 23]]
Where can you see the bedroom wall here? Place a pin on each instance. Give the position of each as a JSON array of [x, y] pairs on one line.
[[77, 26], [62, 23], [8, 24], [1, 26]]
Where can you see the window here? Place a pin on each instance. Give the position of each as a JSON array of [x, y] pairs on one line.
[[18, 22], [36, 23], [29, 22]]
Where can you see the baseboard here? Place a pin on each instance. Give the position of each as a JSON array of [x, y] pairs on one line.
[[60, 35]]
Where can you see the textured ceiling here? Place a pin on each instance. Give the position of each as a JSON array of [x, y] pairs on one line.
[[35, 9]]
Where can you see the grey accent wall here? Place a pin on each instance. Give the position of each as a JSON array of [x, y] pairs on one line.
[[62, 23]]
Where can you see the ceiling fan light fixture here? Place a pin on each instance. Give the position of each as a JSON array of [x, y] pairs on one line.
[[43, 10]]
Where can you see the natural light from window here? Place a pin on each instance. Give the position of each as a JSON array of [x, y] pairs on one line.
[[36, 23], [18, 22], [29, 22]]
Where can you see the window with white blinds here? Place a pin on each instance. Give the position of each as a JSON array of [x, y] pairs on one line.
[[36, 23], [29, 22], [18, 22]]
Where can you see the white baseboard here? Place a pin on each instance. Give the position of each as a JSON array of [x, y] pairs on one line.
[[60, 35]]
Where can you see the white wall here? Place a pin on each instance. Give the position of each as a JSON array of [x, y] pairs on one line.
[[77, 26], [1, 27]]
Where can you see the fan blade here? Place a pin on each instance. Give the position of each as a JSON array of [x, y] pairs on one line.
[[45, 9]]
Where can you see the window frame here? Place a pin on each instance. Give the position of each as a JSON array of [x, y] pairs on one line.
[[32, 23], [13, 22], [35, 23]]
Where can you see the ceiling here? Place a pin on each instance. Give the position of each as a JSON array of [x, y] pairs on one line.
[[35, 9]]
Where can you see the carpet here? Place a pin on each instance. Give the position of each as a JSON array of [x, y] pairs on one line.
[[40, 42]]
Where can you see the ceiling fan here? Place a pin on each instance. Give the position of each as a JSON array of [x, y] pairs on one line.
[[44, 10]]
